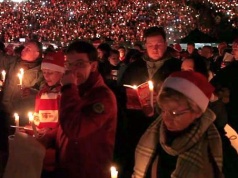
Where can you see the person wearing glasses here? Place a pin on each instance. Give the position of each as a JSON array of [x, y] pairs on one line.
[[87, 117], [183, 141]]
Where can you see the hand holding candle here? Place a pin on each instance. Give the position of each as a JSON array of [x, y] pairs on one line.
[[31, 120], [114, 172]]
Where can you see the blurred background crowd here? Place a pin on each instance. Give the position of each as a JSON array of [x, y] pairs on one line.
[[116, 20]]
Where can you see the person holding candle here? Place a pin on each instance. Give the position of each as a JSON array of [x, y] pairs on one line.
[[21, 99], [183, 141], [88, 116], [47, 104], [48, 98], [155, 65]]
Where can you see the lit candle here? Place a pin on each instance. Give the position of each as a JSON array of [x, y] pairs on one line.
[[16, 116], [114, 172], [22, 71], [3, 75], [31, 120], [20, 76], [151, 87]]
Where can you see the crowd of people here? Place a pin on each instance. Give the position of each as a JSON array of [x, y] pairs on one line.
[[84, 120], [63, 21]]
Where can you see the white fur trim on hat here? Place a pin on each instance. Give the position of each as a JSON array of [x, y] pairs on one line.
[[189, 89], [50, 66]]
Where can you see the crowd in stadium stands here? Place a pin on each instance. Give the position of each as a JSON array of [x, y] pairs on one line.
[[83, 87], [63, 21]]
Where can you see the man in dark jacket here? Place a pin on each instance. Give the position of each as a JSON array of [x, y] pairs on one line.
[[225, 82], [18, 98], [155, 65]]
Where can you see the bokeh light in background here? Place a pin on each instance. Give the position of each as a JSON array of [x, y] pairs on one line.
[[64, 20]]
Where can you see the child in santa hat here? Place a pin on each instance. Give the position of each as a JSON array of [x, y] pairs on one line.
[[47, 102]]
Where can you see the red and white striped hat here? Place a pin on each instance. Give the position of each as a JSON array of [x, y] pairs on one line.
[[54, 61], [193, 85]]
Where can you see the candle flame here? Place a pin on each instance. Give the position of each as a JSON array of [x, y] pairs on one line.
[[113, 168], [16, 116], [20, 75], [114, 172], [3, 75], [30, 116], [22, 71], [151, 86]]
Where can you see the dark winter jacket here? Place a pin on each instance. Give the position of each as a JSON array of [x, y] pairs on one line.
[[136, 122], [86, 136], [226, 78]]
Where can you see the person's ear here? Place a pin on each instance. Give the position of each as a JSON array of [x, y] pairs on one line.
[[94, 66], [37, 54]]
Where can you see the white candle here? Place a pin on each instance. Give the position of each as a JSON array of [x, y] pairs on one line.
[[31, 120], [16, 116], [3, 75], [114, 172], [151, 87]]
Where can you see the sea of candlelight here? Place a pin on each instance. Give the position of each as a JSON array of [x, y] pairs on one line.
[[63, 21]]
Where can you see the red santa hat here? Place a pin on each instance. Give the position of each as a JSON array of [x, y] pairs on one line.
[[54, 61], [193, 85], [177, 47]]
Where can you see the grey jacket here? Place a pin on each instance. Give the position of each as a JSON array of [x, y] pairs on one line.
[[12, 95]]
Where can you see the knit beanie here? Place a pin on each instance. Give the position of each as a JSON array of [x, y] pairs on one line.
[[54, 61], [191, 84]]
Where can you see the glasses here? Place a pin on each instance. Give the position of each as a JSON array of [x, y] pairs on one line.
[[176, 113], [77, 63]]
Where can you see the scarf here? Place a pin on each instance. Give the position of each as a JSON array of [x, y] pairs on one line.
[[50, 89], [187, 146], [153, 66]]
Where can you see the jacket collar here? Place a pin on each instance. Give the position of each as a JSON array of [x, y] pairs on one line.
[[94, 79]]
